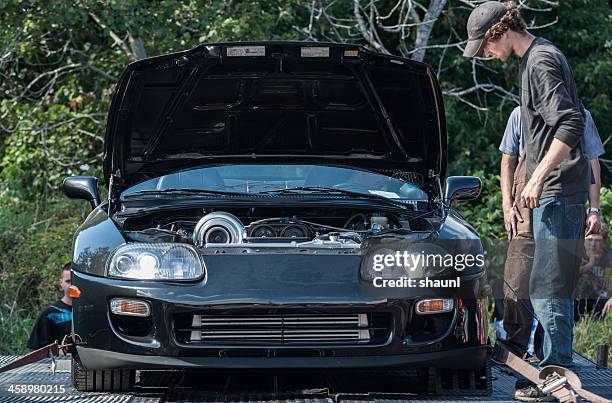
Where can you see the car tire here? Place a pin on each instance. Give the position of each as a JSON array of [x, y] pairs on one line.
[[457, 382], [111, 380]]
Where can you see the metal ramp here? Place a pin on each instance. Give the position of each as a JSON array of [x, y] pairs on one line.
[[294, 387]]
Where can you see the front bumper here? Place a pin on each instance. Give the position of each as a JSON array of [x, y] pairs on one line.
[[464, 358], [107, 347]]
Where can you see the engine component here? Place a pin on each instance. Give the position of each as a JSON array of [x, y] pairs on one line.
[[240, 226], [349, 240], [405, 224], [379, 221], [358, 222], [218, 227], [294, 231], [263, 231], [277, 230], [340, 237]]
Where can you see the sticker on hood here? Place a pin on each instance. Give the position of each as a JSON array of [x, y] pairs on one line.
[[246, 51], [314, 51]]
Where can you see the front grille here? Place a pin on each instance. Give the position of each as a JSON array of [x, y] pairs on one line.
[[287, 328]]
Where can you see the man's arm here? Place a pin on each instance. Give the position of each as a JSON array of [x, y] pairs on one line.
[[507, 170], [595, 188], [593, 224], [506, 176], [557, 152], [553, 102]]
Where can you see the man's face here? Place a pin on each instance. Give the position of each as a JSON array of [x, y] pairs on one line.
[[65, 281], [594, 245], [500, 49]]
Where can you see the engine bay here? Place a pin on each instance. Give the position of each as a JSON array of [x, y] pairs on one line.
[[272, 226]]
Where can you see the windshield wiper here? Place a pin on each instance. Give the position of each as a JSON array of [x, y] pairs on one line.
[[317, 190], [187, 191], [310, 190]]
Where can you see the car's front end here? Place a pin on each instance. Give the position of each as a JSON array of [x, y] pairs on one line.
[[269, 305]]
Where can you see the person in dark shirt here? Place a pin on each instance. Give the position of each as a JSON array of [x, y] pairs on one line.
[[518, 315], [557, 168], [55, 321]]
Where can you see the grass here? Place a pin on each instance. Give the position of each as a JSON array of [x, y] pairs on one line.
[[589, 333]]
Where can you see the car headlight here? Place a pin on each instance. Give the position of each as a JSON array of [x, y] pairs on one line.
[[416, 260], [381, 262], [156, 261]]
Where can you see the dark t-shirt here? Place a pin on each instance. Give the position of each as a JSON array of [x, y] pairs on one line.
[[53, 323], [550, 109]]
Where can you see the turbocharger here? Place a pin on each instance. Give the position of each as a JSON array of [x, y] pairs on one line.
[[218, 228]]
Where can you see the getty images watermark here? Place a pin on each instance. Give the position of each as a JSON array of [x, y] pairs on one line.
[[413, 265]]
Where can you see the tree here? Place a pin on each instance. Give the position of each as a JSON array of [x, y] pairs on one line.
[[406, 27], [60, 60]]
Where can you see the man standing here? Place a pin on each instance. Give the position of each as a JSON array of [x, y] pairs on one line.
[[518, 317], [55, 321], [558, 172]]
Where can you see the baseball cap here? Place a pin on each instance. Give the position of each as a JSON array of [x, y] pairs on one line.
[[481, 19]]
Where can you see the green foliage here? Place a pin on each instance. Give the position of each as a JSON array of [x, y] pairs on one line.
[[35, 242], [60, 62], [584, 34], [486, 212], [606, 206], [589, 333]]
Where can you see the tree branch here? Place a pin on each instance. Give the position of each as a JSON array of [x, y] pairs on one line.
[[481, 87], [367, 33], [424, 30], [134, 51]]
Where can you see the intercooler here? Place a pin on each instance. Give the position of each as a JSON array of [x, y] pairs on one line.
[[287, 328]]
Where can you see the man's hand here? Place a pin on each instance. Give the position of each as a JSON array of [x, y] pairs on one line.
[[593, 224], [607, 307], [530, 196], [511, 219], [557, 152]]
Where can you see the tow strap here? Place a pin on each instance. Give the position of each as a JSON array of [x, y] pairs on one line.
[[49, 351], [552, 380]]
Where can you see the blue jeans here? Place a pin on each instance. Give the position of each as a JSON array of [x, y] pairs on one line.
[[558, 226]]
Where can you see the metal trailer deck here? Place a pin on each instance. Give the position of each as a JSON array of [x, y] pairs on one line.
[[255, 386]]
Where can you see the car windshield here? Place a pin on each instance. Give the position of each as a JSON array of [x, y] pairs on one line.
[[256, 178]]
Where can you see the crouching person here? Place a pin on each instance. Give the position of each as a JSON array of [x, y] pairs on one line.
[[55, 321]]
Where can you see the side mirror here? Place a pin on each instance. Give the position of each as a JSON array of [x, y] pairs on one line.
[[82, 187], [462, 188]]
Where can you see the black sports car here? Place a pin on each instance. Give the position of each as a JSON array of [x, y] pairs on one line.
[[261, 198]]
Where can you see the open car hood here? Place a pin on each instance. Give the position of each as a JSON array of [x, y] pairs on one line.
[[285, 102]]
